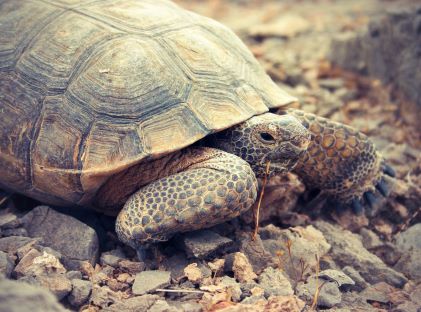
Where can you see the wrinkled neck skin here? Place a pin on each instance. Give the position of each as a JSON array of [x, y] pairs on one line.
[[280, 140]]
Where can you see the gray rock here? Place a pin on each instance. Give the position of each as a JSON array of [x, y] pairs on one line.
[[205, 243], [388, 49], [350, 251], [148, 281], [256, 253], [410, 264], [18, 297], [6, 264], [410, 239], [104, 297], [176, 264], [15, 232], [74, 275], [235, 287], [73, 239], [360, 282], [112, 258], [131, 267], [378, 292], [80, 292], [9, 221], [329, 294], [339, 277], [162, 306], [274, 283], [135, 304], [305, 244], [354, 302], [191, 306], [58, 284], [370, 239], [11, 244]]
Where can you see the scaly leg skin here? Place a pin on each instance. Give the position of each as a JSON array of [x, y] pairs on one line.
[[342, 162], [212, 187]]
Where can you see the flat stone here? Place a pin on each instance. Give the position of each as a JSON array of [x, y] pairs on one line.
[[370, 239], [255, 252], [112, 258], [74, 275], [205, 243], [329, 294], [18, 296], [138, 304], [360, 282], [162, 306], [274, 283], [6, 264], [347, 249], [243, 271], [80, 292], [410, 264], [148, 281], [176, 264], [132, 267], [8, 221], [75, 240], [235, 288], [104, 297], [25, 264], [378, 292], [58, 284], [304, 243], [339, 277], [409, 239], [12, 243]]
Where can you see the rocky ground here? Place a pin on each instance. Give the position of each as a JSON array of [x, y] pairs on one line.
[[302, 258]]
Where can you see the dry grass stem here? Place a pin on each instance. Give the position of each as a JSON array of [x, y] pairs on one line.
[[257, 213]]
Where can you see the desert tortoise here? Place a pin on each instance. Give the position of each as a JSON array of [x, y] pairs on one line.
[[158, 115]]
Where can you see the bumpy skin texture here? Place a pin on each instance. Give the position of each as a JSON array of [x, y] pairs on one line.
[[202, 186], [216, 187], [340, 161]]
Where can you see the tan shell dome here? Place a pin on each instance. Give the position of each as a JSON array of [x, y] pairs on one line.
[[89, 88]]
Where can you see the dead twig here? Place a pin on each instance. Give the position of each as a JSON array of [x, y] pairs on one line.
[[257, 213]]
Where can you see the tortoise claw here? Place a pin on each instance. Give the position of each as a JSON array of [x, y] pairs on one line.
[[389, 170], [370, 199], [357, 207], [382, 188]]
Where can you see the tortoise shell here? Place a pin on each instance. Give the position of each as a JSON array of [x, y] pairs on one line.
[[89, 88]]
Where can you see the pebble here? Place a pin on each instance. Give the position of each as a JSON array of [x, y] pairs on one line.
[[343, 280], [11, 244], [6, 264], [103, 297], [378, 292], [58, 284], [370, 239], [74, 275], [131, 267], [75, 240], [80, 292], [329, 294], [347, 249], [111, 258], [243, 271], [138, 303], [410, 264], [205, 243], [18, 296], [409, 239], [274, 283], [148, 281], [9, 221], [235, 288], [360, 282], [255, 252]]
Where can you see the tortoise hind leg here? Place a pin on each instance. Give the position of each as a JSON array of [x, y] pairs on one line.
[[342, 162], [216, 187]]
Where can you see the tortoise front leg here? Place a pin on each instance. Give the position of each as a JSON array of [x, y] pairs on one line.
[[341, 162], [213, 187]]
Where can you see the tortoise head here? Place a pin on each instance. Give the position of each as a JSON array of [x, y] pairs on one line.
[[278, 139]]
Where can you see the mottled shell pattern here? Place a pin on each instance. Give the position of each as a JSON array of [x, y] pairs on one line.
[[89, 88]]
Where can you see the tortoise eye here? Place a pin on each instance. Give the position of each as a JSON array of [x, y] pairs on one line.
[[267, 137]]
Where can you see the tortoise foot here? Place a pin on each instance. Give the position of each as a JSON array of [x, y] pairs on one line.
[[216, 187]]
